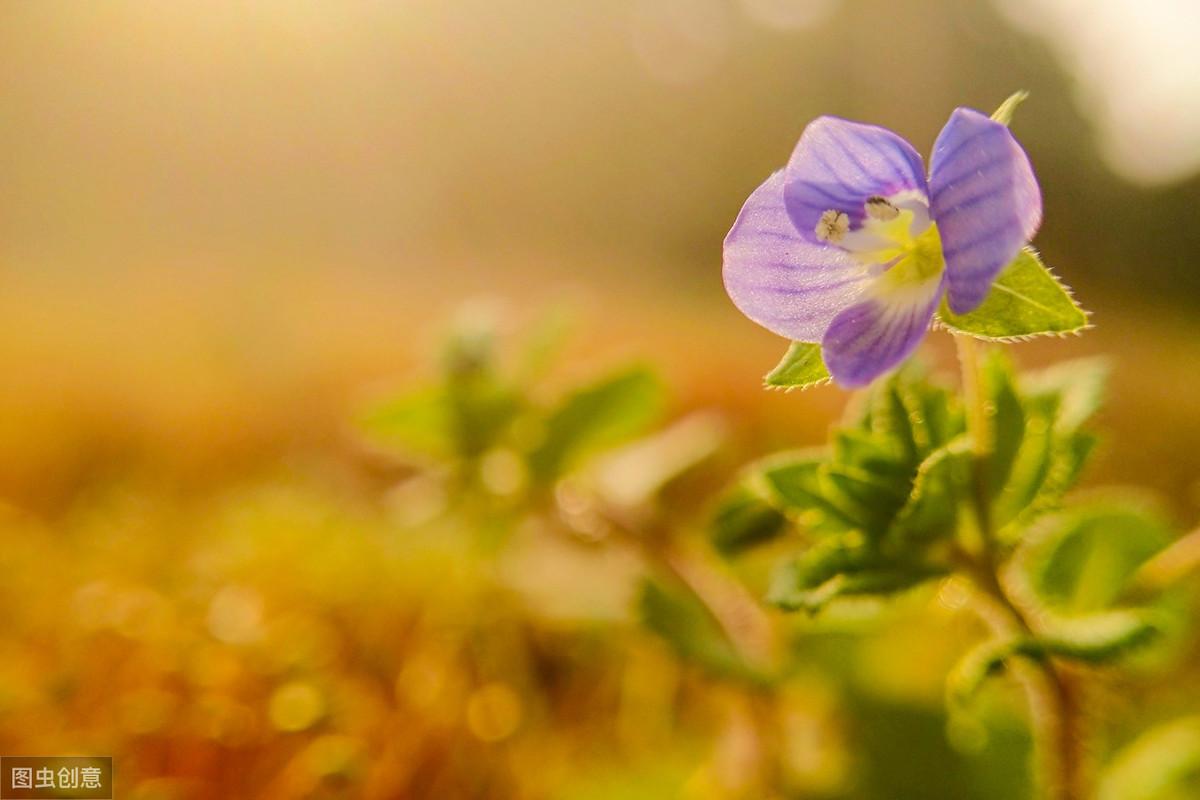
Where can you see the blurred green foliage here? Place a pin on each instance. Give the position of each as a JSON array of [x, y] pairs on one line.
[[513, 595], [914, 486]]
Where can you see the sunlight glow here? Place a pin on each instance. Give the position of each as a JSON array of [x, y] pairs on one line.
[[1138, 72]]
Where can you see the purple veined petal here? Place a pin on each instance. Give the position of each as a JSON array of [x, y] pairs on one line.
[[986, 202], [876, 334], [787, 284], [838, 164]]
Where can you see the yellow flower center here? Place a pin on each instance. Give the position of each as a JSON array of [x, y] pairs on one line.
[[898, 239], [920, 259]]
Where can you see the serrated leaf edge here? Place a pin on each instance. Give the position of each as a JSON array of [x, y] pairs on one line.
[[796, 386], [939, 323]]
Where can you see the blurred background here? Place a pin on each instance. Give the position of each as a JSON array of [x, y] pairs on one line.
[[226, 228]]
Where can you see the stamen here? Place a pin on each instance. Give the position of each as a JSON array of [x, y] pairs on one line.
[[880, 209], [832, 226]]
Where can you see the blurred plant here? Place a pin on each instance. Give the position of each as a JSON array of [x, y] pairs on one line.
[[585, 462], [519, 454], [920, 483]]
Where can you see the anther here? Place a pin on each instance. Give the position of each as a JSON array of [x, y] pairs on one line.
[[880, 209], [833, 226]]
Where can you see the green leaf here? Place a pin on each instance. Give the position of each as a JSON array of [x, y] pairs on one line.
[[691, 631], [1092, 638], [744, 519], [977, 665], [1081, 559], [932, 507], [1057, 402], [793, 481], [1025, 493], [1004, 113], [860, 449], [1070, 459], [415, 423], [1025, 300], [1006, 418], [893, 410], [1065, 458], [939, 413], [1161, 764], [481, 407], [1078, 384], [827, 559], [914, 414], [597, 415], [870, 500], [839, 567], [881, 581], [1095, 638], [800, 368]]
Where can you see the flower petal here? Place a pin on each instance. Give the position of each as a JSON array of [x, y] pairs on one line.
[[876, 334], [986, 202], [783, 282], [838, 164]]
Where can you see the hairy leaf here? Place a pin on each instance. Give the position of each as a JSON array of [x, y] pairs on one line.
[[892, 417], [1025, 300], [870, 500], [976, 666], [1081, 559], [800, 368], [914, 414], [860, 449], [793, 481], [940, 413], [827, 572], [1054, 450], [1032, 464], [827, 559], [744, 519], [881, 581], [1096, 638], [1092, 638], [941, 482], [1006, 419]]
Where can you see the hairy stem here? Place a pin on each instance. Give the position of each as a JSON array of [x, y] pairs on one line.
[[1054, 704], [1053, 701]]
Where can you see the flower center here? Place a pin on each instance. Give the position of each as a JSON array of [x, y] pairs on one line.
[[922, 259], [897, 239]]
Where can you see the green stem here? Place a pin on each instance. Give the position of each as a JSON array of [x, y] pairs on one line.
[[1053, 701], [745, 625], [981, 445], [1056, 724]]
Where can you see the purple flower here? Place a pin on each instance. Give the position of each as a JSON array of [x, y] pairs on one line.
[[849, 245]]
